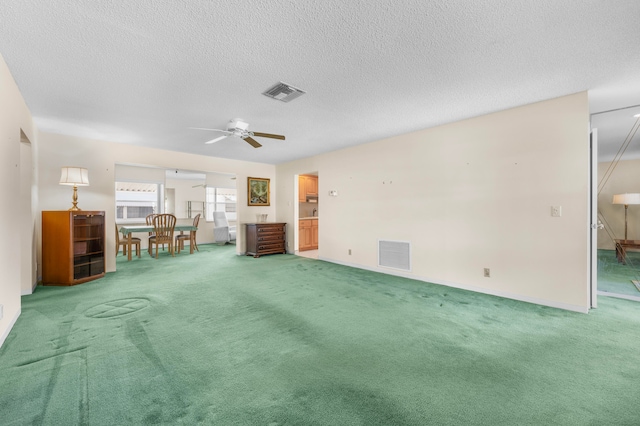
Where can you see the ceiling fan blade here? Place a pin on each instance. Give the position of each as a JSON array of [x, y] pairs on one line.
[[254, 143], [268, 135], [212, 130], [219, 138]]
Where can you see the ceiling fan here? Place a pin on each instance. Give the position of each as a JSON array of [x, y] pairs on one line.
[[240, 129]]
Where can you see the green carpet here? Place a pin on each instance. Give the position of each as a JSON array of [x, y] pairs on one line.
[[615, 278], [217, 339]]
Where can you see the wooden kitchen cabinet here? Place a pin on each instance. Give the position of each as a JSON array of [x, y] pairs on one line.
[[307, 185], [73, 244], [307, 234], [304, 234], [312, 185], [314, 234], [265, 238], [302, 189]]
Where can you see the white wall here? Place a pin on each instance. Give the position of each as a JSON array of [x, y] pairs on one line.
[[100, 158], [468, 195], [16, 262], [131, 173], [184, 192], [625, 177]]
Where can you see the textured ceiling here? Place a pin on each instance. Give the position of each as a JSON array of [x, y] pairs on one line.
[[143, 72]]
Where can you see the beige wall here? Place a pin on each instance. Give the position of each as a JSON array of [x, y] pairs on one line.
[[16, 217], [100, 158], [625, 177], [469, 195]]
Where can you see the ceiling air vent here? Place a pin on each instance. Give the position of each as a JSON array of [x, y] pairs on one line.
[[283, 92]]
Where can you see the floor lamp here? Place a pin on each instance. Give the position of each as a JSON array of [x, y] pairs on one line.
[[626, 199]]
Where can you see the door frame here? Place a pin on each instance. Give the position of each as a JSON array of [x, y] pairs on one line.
[[593, 218]]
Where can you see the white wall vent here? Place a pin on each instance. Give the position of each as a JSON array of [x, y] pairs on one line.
[[283, 92], [394, 254]]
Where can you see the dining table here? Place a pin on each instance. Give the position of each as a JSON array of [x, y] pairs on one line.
[[128, 230]]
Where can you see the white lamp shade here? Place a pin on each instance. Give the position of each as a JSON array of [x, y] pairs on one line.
[[626, 199], [77, 176]]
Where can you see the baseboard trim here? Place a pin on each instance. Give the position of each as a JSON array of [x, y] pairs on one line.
[[618, 296], [8, 330], [33, 288], [506, 295]]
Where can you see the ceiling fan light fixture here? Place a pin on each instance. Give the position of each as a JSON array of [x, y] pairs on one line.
[[283, 92], [240, 129], [237, 125]]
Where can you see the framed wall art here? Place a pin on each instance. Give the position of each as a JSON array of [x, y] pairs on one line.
[[258, 191]]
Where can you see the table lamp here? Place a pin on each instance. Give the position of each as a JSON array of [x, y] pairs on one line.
[[76, 176], [626, 199]]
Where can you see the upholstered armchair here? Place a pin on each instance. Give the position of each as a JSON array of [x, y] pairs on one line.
[[222, 232]]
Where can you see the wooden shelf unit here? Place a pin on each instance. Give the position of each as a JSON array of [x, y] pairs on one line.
[[195, 207], [73, 247], [265, 238]]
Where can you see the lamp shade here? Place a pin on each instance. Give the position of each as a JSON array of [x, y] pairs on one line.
[[76, 176]]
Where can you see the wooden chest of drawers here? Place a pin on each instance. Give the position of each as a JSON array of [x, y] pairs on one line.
[[265, 238]]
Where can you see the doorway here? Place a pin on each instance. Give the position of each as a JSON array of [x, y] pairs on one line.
[[28, 244], [618, 203], [307, 214]]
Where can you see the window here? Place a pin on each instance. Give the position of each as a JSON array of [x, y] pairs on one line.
[[135, 201], [221, 200]]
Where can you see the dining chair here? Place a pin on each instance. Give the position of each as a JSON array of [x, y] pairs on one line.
[[149, 221], [180, 239], [163, 227], [124, 243], [222, 232]]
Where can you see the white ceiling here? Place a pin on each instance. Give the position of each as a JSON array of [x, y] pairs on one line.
[[143, 72]]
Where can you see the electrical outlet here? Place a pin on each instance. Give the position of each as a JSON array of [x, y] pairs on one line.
[[556, 211], [349, 252], [487, 272]]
